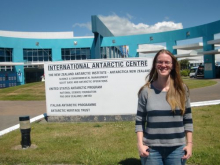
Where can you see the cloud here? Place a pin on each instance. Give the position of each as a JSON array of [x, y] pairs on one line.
[[129, 16], [86, 25], [120, 26], [123, 26], [166, 18]]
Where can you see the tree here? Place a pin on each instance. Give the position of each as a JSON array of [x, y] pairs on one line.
[[184, 64]]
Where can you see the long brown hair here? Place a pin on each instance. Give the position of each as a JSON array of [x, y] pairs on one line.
[[176, 95]]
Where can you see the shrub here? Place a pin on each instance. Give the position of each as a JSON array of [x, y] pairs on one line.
[[184, 72]]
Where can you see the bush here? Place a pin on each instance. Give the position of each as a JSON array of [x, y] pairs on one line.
[[184, 72]]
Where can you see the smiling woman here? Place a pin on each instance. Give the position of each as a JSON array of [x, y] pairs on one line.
[[164, 64], [164, 120]]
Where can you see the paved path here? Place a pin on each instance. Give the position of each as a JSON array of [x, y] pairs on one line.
[[11, 110], [206, 93]]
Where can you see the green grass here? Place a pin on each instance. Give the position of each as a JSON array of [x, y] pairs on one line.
[[73, 143], [198, 83], [105, 143], [30, 91], [206, 135], [36, 91]]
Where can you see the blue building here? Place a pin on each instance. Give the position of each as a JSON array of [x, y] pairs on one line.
[[22, 54]]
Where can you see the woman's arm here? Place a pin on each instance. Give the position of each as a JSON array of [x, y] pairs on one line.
[[140, 122], [142, 149], [188, 126], [188, 147]]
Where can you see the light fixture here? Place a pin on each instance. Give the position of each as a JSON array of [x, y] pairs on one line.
[[25, 128], [75, 42], [188, 33], [151, 38], [37, 43]]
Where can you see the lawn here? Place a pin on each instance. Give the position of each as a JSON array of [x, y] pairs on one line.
[[108, 143], [27, 92], [198, 83], [36, 91]]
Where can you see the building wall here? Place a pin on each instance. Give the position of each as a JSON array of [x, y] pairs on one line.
[[18, 44], [104, 38], [206, 31]]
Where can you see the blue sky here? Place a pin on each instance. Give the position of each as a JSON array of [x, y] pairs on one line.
[[121, 16]]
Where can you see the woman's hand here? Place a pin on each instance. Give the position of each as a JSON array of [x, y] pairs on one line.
[[143, 150], [188, 150]]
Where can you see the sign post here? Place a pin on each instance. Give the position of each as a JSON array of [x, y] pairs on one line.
[[94, 87]]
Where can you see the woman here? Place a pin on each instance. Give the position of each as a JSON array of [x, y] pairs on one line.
[[164, 121]]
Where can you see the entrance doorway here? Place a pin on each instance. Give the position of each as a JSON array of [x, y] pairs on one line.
[[33, 74]]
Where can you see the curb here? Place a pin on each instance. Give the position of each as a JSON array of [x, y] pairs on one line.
[[18, 125]]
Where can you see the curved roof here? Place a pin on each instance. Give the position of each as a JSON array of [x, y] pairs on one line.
[[39, 35]]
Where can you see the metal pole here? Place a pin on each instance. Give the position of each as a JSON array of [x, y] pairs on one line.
[[25, 129]]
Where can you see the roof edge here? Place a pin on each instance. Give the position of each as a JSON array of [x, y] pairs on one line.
[[39, 35]]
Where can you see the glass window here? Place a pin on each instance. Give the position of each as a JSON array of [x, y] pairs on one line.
[[75, 53], [8, 52], [87, 52], [8, 59], [29, 59], [41, 59], [2, 52], [25, 53], [114, 51], [46, 58], [67, 51], [67, 58], [83, 51], [40, 53], [72, 52], [37, 55], [78, 57], [5, 55], [2, 59], [35, 59], [73, 57], [83, 57], [63, 51], [29, 53], [48, 53]]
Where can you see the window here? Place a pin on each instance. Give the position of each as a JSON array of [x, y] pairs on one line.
[[5, 55], [33, 55], [6, 68], [75, 53], [114, 52]]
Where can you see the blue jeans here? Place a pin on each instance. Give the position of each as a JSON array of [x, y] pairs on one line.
[[164, 156]]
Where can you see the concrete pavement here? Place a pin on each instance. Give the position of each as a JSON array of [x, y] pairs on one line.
[[206, 93], [11, 110]]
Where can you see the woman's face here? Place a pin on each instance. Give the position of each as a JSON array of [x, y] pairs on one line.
[[164, 65]]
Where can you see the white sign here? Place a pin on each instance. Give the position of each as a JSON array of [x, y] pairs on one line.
[[95, 87], [208, 66]]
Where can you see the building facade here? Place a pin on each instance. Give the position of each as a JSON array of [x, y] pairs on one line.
[[22, 54]]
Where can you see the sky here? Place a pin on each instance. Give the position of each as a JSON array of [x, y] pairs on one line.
[[122, 17]]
